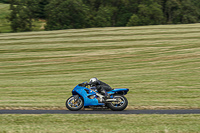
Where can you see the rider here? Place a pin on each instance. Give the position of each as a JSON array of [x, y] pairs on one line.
[[100, 86]]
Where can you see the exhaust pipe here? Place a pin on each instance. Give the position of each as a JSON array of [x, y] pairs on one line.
[[111, 100]]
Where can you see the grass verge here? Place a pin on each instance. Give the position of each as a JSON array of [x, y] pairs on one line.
[[100, 123]]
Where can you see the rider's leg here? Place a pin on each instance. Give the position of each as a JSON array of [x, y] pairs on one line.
[[103, 92]]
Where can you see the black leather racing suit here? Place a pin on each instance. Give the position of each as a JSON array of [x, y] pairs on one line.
[[102, 87]]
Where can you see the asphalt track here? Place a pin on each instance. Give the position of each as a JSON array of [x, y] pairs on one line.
[[196, 111]]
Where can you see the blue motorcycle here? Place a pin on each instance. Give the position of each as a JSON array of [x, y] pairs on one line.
[[85, 95]]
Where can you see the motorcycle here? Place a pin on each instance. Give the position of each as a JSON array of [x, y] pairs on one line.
[[85, 95]]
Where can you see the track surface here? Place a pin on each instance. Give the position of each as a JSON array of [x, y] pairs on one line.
[[196, 111]]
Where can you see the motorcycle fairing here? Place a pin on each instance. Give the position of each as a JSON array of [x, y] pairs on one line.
[[85, 93], [123, 90]]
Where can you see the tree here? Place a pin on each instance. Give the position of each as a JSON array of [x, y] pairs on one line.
[[172, 10], [134, 21], [189, 13], [147, 15], [65, 14], [4, 1], [104, 16], [156, 14], [22, 14], [40, 12], [183, 11], [126, 8]]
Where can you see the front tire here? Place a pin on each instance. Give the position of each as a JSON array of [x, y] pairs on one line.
[[120, 105], [74, 106]]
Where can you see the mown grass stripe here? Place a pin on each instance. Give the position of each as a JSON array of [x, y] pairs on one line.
[[146, 28], [75, 48], [101, 41], [99, 35], [91, 69], [114, 60], [138, 28], [92, 48], [32, 58]]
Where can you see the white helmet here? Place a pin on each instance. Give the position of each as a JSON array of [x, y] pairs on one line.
[[93, 81]]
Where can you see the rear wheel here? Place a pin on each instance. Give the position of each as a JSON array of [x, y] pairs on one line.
[[72, 105], [119, 105]]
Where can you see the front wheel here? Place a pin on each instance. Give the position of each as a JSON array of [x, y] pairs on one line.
[[72, 105], [119, 105]]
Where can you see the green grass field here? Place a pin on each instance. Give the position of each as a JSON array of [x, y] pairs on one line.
[[99, 123], [159, 64]]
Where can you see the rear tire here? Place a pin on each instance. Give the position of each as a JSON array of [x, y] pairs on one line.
[[74, 106], [120, 105]]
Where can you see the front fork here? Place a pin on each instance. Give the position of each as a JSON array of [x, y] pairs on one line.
[[76, 97]]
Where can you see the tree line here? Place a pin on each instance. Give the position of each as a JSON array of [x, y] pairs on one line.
[[68, 14]]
